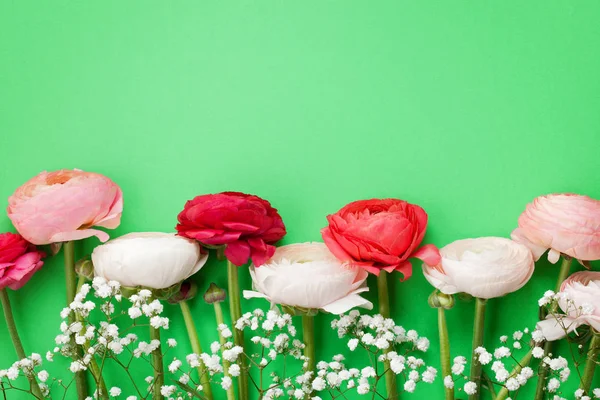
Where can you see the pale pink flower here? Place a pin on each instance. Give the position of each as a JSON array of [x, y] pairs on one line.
[[485, 267], [64, 205], [563, 223], [579, 300], [308, 275]]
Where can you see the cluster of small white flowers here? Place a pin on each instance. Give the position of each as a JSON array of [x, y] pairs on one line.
[[273, 339], [273, 334], [376, 332], [103, 338], [559, 372], [27, 367], [504, 370], [392, 345]]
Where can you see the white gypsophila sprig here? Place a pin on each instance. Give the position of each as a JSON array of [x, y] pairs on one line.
[[94, 340], [385, 342], [272, 339], [507, 366]]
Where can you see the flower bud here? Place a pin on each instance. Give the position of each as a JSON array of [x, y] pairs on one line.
[[85, 268], [55, 248], [214, 294], [438, 299], [187, 291]]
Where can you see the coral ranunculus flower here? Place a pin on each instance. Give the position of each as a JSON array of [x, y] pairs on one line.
[[380, 234], [19, 260], [63, 205], [308, 276], [246, 225], [563, 223]]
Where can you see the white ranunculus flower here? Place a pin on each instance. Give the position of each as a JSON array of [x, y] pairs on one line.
[[150, 259], [485, 267], [308, 275]]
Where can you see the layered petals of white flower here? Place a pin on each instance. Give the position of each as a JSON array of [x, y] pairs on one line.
[[308, 275], [579, 299], [149, 259], [485, 267]]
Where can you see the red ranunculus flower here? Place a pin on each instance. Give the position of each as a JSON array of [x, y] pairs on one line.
[[19, 260], [245, 224], [380, 234]]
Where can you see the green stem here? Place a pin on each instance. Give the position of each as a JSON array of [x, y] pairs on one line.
[[196, 348], [97, 374], [157, 363], [235, 309], [503, 393], [93, 365], [219, 316], [445, 351], [70, 278], [478, 328], [18, 345], [80, 282], [590, 365], [308, 336], [71, 289], [384, 310], [563, 273]]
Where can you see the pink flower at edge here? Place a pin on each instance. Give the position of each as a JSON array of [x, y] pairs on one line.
[[64, 205], [380, 234], [562, 223], [579, 300], [19, 260], [246, 225]]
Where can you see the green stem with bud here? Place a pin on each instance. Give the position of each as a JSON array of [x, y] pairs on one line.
[[14, 335], [445, 351], [196, 348]]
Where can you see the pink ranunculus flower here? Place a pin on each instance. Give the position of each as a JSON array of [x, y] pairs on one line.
[[19, 260], [579, 300], [563, 223], [64, 205], [485, 267], [309, 276]]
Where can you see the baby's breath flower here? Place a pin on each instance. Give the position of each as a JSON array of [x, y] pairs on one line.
[[410, 386], [448, 382], [470, 388]]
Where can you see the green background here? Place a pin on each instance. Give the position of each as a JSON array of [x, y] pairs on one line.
[[467, 108]]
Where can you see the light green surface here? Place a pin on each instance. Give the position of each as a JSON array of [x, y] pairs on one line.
[[467, 108]]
